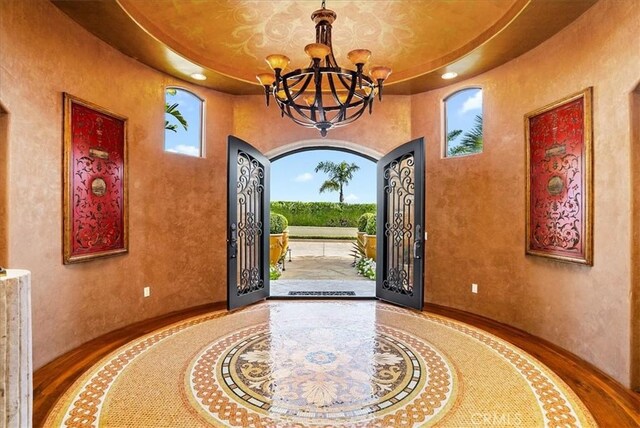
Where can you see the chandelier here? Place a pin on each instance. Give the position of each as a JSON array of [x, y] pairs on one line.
[[324, 95]]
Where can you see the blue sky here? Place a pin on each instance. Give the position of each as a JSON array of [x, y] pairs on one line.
[[462, 108], [293, 178], [184, 142]]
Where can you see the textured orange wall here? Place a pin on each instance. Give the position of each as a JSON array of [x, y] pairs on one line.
[[388, 126], [635, 242], [4, 162], [476, 204], [177, 209]]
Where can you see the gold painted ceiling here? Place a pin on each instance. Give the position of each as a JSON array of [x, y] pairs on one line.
[[227, 40]]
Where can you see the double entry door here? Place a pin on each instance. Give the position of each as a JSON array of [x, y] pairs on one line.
[[400, 225]]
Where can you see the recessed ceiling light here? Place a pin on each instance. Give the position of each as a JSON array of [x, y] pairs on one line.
[[198, 76], [450, 75]]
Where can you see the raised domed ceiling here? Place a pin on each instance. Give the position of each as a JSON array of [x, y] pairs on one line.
[[227, 40]]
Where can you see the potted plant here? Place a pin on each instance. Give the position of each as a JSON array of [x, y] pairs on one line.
[[362, 226], [277, 223], [370, 238]]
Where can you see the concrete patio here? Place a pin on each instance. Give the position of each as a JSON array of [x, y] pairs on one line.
[[318, 265]]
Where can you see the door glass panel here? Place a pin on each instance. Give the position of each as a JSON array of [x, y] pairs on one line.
[[249, 201], [399, 191]]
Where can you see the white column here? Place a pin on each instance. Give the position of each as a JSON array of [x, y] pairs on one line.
[[16, 384]]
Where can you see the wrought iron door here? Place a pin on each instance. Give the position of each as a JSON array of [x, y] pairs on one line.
[[247, 225], [400, 225]]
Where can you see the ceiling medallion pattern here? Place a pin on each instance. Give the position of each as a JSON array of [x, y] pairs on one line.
[[324, 95], [420, 40]]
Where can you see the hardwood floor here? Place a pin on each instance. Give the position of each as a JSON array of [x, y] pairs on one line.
[[611, 404]]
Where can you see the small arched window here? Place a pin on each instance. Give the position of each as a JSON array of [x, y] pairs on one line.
[[183, 131], [463, 123]]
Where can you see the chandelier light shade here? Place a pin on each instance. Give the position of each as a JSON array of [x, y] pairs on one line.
[[323, 95]]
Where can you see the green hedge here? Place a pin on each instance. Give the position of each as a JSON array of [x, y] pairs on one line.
[[330, 214]]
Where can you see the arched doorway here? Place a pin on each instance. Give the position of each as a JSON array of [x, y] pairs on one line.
[[325, 143], [323, 192], [400, 184]]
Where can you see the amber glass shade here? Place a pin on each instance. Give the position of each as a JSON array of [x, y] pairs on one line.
[[359, 56], [278, 61], [380, 72], [343, 98], [281, 94], [266, 79], [317, 50]]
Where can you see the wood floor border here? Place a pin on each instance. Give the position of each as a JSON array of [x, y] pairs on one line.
[[611, 404]]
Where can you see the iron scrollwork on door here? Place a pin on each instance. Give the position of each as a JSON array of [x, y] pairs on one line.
[[399, 191], [250, 229]]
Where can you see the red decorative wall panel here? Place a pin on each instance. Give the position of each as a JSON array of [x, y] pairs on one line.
[[95, 194], [560, 181]]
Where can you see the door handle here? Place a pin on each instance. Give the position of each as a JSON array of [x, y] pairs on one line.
[[417, 242], [233, 241]]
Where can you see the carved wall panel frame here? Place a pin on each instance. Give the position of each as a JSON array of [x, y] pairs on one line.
[[559, 180], [95, 202]]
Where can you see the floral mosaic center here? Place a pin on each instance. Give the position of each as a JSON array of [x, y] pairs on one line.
[[321, 357]]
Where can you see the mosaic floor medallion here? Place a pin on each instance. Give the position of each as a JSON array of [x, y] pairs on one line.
[[320, 375], [319, 364]]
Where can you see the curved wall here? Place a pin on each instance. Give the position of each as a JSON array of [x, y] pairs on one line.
[[476, 204], [175, 202]]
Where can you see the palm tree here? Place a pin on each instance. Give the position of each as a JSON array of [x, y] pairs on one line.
[[339, 176], [471, 140], [172, 109]]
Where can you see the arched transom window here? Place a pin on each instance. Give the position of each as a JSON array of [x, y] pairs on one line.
[[463, 123], [183, 131]]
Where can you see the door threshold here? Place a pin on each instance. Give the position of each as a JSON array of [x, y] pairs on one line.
[[322, 298]]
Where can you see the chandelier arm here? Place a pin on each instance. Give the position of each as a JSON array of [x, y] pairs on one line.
[[343, 106], [306, 124], [291, 103], [287, 88], [334, 92], [296, 78], [305, 121], [318, 99], [351, 119], [296, 108]]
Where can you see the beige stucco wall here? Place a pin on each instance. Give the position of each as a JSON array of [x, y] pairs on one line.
[[476, 205], [176, 203]]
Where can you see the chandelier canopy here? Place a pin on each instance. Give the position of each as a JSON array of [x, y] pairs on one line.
[[324, 95]]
